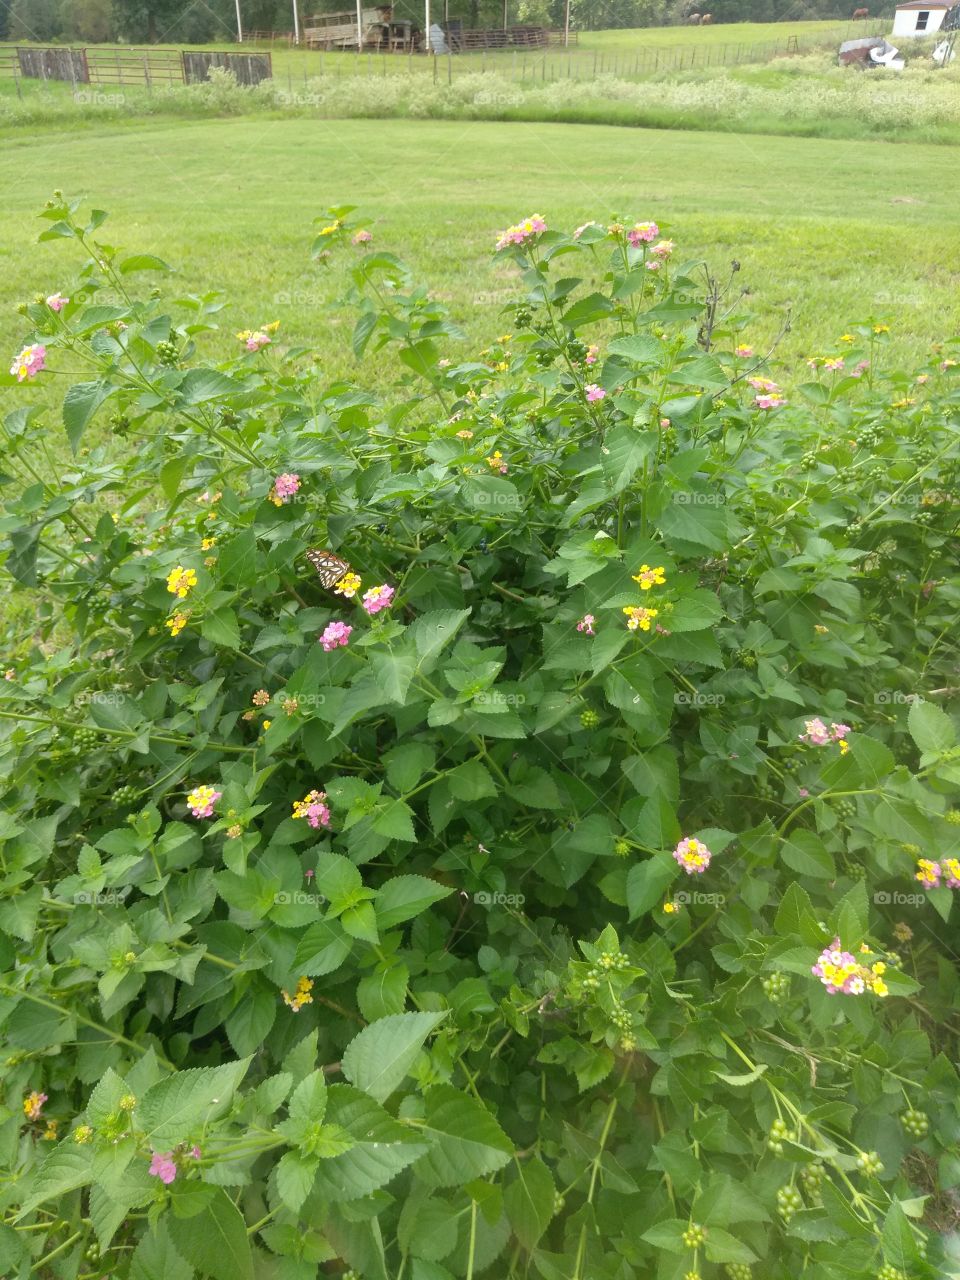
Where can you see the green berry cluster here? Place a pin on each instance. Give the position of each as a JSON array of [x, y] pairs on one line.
[[808, 461], [522, 318], [811, 1175], [915, 1123], [845, 809], [691, 1275], [576, 350], [124, 797], [789, 1201], [86, 739], [738, 1271], [621, 1019], [887, 1272], [870, 437], [780, 1132], [589, 719], [545, 359], [870, 1163], [764, 789], [694, 1236], [776, 987], [559, 1203], [953, 817], [167, 353]]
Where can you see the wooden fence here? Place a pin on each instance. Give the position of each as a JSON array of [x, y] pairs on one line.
[[54, 64], [249, 68], [127, 66]]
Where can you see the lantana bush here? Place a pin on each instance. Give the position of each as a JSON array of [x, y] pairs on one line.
[[501, 825]]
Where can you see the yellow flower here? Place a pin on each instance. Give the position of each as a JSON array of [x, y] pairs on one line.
[[820, 629], [266, 725], [348, 586], [880, 988], [300, 997], [83, 1133], [333, 227], [272, 327], [670, 908], [847, 337], [648, 577], [637, 616], [176, 623], [879, 968], [881, 328], [127, 1102], [207, 543], [507, 337], [181, 581], [844, 746]]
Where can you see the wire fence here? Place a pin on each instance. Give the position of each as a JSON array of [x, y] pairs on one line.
[[150, 68]]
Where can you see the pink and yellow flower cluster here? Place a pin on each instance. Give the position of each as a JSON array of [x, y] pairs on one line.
[[843, 974], [693, 856], [522, 232], [313, 808], [930, 873], [817, 734]]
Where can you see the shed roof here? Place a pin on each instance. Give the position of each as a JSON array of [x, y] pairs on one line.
[[928, 4]]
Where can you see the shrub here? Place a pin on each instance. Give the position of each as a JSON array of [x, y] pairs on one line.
[[504, 830]]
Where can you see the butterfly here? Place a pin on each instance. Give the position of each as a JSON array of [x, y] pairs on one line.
[[329, 566]]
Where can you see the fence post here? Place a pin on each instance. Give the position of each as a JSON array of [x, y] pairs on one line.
[[146, 73]]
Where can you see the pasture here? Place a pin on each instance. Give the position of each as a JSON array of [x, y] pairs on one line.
[[835, 231]]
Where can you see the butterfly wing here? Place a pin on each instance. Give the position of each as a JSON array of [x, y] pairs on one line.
[[329, 567]]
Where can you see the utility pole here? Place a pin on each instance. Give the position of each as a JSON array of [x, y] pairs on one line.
[[239, 24]]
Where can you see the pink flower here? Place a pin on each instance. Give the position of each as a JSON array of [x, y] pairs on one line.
[[56, 301], [928, 873], [313, 808], [522, 231], [663, 248], [592, 352], [834, 364], [594, 392], [286, 485], [309, 873], [861, 366], [586, 624], [664, 423], [804, 792], [377, 598], [769, 401], [195, 1153], [642, 233], [256, 341], [361, 237], [951, 869], [201, 800], [163, 1167], [693, 855], [816, 733], [28, 363], [653, 264], [763, 384], [838, 731], [743, 351], [336, 634]]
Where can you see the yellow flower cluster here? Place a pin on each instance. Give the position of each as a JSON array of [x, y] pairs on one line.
[[181, 581], [348, 586], [300, 997]]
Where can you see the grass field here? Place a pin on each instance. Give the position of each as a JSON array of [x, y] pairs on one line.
[[835, 230]]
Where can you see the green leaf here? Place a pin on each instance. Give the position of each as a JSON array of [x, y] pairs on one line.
[[378, 1059], [899, 1244], [143, 262], [215, 1241], [80, 403], [322, 949], [806, 853], [433, 631], [67, 1167], [200, 385], [221, 628], [529, 1201], [361, 922], [295, 1177], [249, 1024], [170, 1111], [403, 897], [381, 1147], [467, 1142], [155, 1257], [647, 882], [721, 1246], [337, 878], [407, 763], [625, 450], [393, 672], [471, 781], [930, 728]]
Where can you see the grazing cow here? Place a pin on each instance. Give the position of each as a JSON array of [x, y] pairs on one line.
[[861, 13], [706, 20], [693, 20]]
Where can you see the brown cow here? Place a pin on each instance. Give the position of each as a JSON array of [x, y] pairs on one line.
[[861, 13], [706, 20], [693, 20]]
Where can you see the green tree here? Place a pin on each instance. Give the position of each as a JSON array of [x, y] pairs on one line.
[[35, 20], [87, 20]]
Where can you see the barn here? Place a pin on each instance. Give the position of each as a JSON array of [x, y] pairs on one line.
[[923, 17]]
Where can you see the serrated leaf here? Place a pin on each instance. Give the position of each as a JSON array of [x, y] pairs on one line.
[[377, 1060], [295, 1177], [529, 1201], [80, 403], [156, 1258], [931, 728], [170, 1111], [466, 1141], [403, 897], [67, 1167], [215, 1241]]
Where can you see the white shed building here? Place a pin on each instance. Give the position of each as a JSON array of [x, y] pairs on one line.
[[921, 17]]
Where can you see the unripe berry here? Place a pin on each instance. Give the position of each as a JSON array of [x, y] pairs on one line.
[[870, 1163], [694, 1236], [915, 1123], [589, 719]]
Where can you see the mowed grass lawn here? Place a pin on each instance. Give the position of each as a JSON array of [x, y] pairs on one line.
[[835, 231]]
